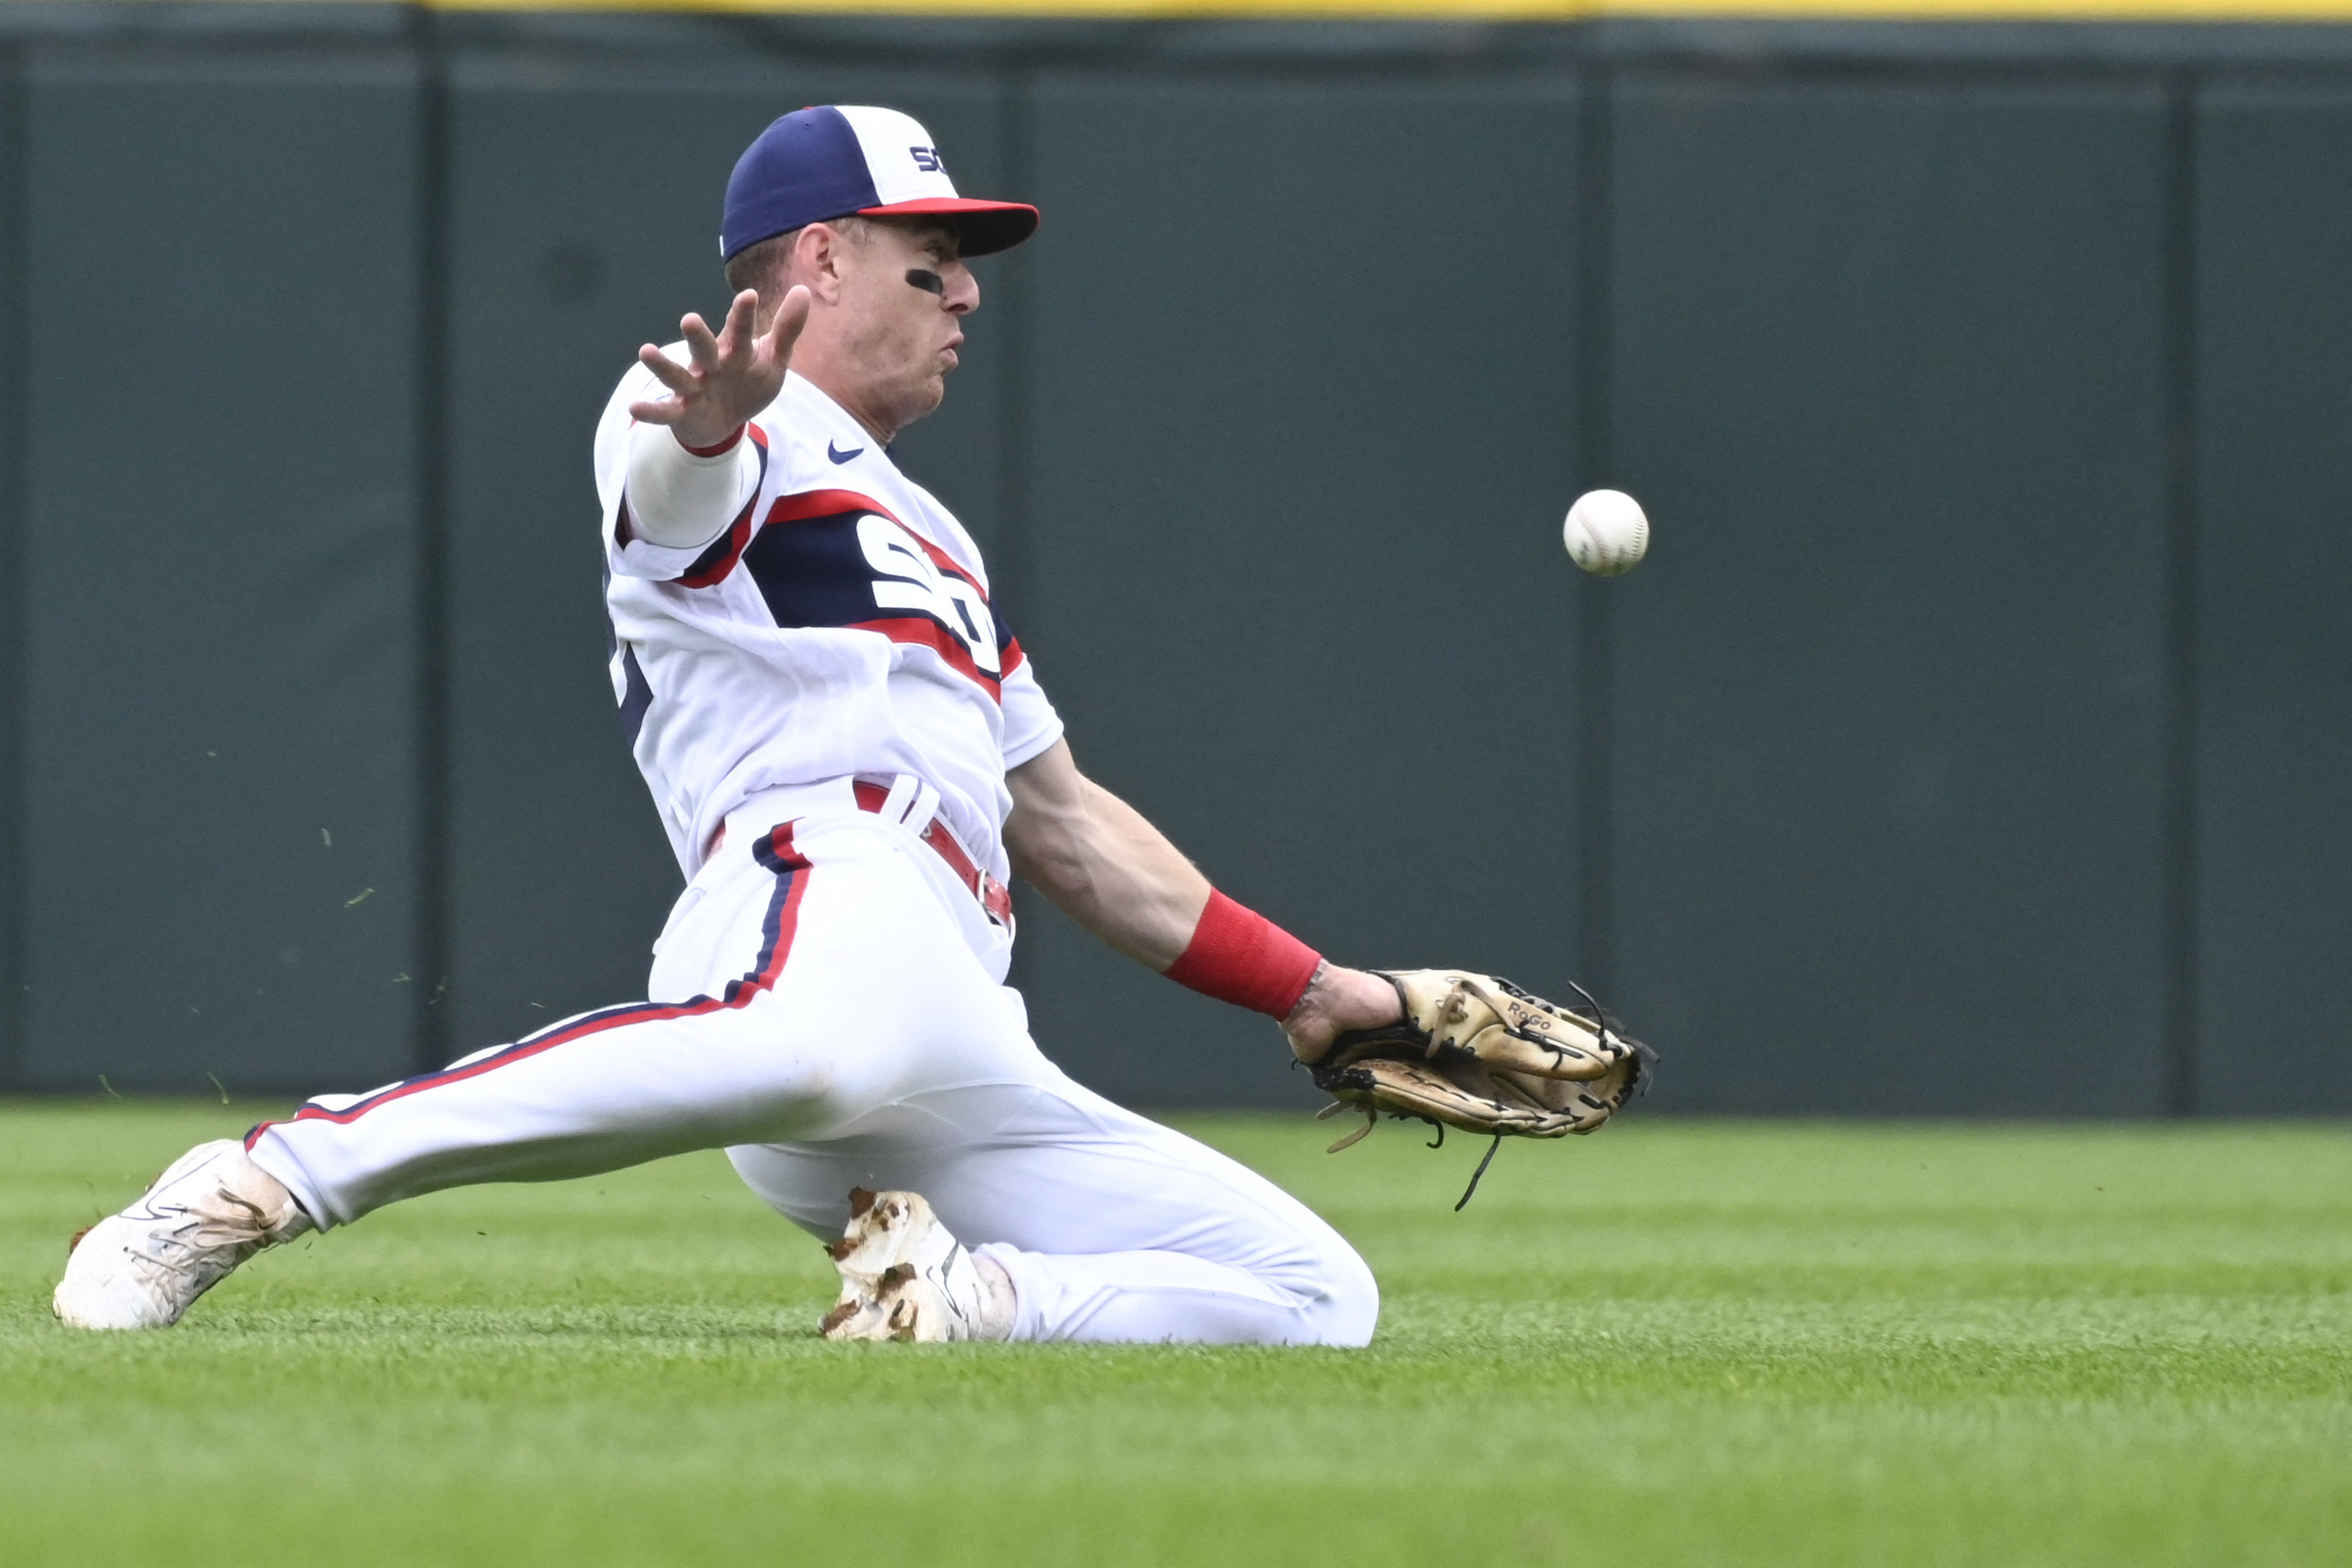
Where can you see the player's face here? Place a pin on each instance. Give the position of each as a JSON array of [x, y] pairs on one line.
[[902, 335]]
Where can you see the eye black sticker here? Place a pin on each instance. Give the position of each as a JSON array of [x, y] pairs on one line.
[[924, 278]]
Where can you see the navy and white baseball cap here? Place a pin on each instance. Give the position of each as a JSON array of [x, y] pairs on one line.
[[837, 160]]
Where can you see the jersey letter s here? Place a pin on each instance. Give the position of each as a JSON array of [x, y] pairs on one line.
[[905, 579]]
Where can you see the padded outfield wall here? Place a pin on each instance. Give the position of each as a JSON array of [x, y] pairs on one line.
[[1985, 706]]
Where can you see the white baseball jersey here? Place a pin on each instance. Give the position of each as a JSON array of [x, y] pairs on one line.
[[841, 625]]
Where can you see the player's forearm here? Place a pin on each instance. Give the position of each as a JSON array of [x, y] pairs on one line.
[[1109, 869], [681, 499], [1116, 875]]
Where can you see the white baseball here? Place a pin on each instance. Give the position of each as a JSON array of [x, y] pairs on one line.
[[1606, 532]]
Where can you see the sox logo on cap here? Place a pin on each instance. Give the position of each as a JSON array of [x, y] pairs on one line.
[[837, 160]]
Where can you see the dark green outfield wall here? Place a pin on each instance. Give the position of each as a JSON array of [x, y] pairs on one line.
[[1983, 717]]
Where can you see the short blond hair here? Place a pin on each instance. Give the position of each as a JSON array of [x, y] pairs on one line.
[[761, 265]]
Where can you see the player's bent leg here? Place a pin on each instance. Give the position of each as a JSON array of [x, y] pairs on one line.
[[1111, 1227], [1218, 1254]]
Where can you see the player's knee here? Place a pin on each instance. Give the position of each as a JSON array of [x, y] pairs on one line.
[[1348, 1303]]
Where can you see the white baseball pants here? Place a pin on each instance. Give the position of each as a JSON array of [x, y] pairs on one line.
[[830, 1008]]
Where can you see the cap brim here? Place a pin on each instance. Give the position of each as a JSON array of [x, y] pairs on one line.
[[987, 227]]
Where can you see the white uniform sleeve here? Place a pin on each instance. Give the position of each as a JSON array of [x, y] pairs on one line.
[[1030, 725], [680, 499], [668, 550]]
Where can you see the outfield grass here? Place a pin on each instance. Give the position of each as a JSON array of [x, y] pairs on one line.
[[1677, 1342]]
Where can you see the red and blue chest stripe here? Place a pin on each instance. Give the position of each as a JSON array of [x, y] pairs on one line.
[[813, 557]]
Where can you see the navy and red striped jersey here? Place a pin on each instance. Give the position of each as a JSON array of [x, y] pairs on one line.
[[841, 624]]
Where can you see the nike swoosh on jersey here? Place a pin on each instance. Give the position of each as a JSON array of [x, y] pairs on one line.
[[840, 456]]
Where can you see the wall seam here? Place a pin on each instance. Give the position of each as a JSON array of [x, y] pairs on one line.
[[1595, 438], [428, 1048], [2180, 1085], [15, 635], [1014, 539]]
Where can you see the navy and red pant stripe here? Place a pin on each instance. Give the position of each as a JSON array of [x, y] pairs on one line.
[[775, 851]]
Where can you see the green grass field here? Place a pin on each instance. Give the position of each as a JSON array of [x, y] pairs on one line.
[[1676, 1342]]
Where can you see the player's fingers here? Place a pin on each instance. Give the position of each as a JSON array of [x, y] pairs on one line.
[[792, 316], [669, 372], [699, 342], [667, 411], [736, 335]]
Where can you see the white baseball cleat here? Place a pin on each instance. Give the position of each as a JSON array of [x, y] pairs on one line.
[[144, 1267], [903, 1277]]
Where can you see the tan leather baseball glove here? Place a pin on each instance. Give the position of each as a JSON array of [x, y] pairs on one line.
[[1475, 1051]]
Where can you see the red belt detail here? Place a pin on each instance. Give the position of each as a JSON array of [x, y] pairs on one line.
[[993, 895]]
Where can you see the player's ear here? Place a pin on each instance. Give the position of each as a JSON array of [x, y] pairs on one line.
[[819, 259]]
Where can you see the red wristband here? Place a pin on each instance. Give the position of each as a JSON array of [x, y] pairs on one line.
[[1238, 955], [726, 446]]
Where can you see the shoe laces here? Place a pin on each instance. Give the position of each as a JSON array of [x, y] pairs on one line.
[[193, 1246]]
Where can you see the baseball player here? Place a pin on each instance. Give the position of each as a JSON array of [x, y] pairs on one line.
[[851, 754]]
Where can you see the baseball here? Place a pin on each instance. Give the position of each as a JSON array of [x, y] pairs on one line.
[[1606, 532]]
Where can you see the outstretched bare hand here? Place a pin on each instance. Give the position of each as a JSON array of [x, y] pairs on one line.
[[733, 375]]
